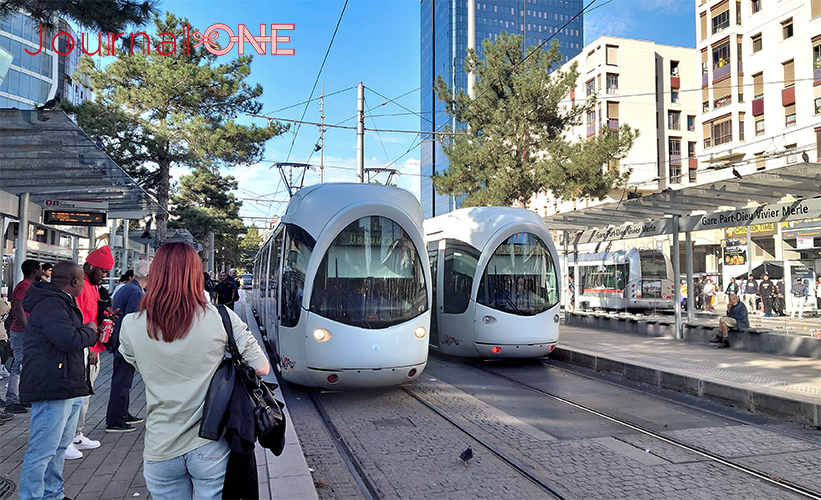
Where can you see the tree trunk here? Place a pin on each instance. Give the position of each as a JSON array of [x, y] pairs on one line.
[[162, 199]]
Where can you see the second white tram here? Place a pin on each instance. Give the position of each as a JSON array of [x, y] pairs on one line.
[[631, 279], [496, 288], [342, 291]]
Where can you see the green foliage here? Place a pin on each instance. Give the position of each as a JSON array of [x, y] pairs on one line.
[[155, 112], [249, 247], [204, 203], [513, 144], [101, 16]]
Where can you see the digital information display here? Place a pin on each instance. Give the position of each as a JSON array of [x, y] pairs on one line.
[[75, 218]]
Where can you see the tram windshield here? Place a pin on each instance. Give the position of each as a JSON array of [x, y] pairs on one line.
[[653, 265], [371, 276], [520, 277]]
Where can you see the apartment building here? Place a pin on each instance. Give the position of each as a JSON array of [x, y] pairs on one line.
[[649, 87], [760, 82]]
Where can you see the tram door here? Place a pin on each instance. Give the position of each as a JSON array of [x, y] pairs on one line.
[[433, 257], [272, 292]]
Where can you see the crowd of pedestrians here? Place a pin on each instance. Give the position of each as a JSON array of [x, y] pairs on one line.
[[60, 318]]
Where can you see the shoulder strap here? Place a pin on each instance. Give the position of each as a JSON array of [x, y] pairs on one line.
[[229, 329]]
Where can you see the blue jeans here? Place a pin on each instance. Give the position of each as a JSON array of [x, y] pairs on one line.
[[199, 474], [13, 392], [52, 429]]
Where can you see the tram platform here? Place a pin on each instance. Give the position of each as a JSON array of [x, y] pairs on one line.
[[114, 470], [776, 384]]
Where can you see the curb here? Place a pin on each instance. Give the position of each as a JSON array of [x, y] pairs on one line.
[[760, 402]]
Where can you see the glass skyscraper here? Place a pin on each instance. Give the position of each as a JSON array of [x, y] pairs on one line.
[[444, 45]]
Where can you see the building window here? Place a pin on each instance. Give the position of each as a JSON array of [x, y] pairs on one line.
[[759, 125], [612, 83], [758, 86], [789, 115], [674, 97], [817, 105], [757, 43], [792, 155], [691, 123], [691, 150], [786, 29], [816, 55], [815, 8], [755, 6], [674, 120], [591, 118], [722, 132], [591, 87], [721, 21], [675, 161], [789, 73], [673, 68], [612, 55], [721, 55], [741, 126]]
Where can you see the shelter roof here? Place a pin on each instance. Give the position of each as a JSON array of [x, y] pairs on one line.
[[46, 154], [801, 180]]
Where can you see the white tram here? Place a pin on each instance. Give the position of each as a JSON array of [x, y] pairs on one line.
[[342, 290], [631, 279], [496, 289]]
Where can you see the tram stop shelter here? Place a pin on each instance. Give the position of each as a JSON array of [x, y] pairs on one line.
[[740, 197], [45, 156]]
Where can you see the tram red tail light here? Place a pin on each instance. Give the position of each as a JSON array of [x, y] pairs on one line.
[[412, 372], [496, 350], [333, 378], [551, 348]]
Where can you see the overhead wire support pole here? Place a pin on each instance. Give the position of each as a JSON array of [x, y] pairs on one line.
[[360, 134], [322, 136]]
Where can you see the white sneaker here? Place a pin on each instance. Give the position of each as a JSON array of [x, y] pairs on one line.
[[73, 453], [83, 443]]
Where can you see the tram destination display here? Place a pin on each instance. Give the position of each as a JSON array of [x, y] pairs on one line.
[[75, 218]]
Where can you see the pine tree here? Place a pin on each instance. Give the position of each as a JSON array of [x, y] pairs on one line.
[[513, 140], [204, 203], [154, 112], [102, 16]]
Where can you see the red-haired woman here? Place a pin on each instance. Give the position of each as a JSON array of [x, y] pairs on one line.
[[176, 341]]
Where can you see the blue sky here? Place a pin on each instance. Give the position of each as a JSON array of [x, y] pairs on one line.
[[377, 43]]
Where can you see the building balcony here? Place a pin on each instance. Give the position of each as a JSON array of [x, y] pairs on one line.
[[692, 163], [721, 72], [722, 101], [675, 82], [591, 129], [613, 124], [705, 79], [816, 75]]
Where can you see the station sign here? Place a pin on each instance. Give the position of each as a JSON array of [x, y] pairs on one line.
[[75, 218], [97, 206]]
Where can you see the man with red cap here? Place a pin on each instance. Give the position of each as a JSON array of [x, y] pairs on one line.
[[98, 264]]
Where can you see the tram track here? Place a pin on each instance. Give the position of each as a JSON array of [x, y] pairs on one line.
[[714, 457]]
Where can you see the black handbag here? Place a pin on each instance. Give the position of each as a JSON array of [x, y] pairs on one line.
[[237, 391]]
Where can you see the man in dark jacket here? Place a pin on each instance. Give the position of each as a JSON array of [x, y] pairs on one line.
[[736, 318], [749, 293], [766, 289], [779, 302], [54, 378]]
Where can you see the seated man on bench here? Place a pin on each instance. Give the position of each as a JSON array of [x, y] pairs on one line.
[[736, 318]]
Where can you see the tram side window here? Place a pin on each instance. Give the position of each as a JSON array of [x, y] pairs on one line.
[[609, 277], [298, 248], [459, 268]]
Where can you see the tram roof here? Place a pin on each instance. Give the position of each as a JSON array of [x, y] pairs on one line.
[[477, 225], [800, 180], [312, 207], [46, 154]]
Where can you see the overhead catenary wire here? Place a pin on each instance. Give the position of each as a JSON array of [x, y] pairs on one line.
[[319, 73]]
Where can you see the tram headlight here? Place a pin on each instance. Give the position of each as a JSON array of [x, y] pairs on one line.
[[420, 332], [322, 335]]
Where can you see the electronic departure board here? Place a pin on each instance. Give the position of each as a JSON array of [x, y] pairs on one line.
[[75, 218]]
